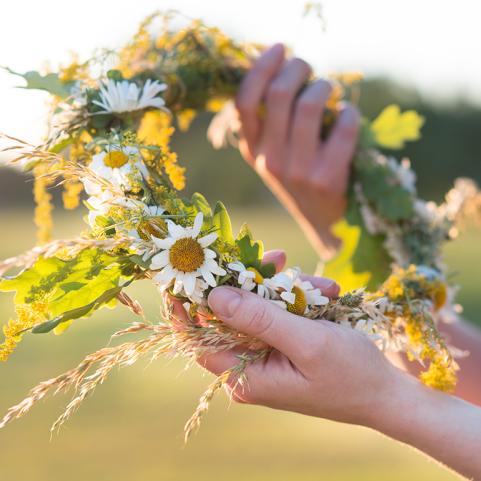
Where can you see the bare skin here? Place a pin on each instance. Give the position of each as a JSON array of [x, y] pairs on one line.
[[310, 178], [325, 370], [284, 147]]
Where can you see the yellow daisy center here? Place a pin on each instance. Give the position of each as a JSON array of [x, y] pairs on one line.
[[186, 255], [300, 302], [115, 159], [258, 279]]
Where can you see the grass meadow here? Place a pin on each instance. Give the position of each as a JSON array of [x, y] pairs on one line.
[[131, 429]]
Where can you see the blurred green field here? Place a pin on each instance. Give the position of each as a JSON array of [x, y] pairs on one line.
[[132, 427]]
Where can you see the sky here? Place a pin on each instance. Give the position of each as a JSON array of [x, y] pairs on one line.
[[434, 45]]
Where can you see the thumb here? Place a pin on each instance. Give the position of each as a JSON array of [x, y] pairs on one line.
[[257, 317]]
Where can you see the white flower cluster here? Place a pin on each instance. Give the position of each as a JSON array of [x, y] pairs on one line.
[[286, 289]]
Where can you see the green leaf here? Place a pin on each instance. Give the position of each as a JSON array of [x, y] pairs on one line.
[[201, 204], [244, 231], [50, 82], [267, 270], [83, 311], [250, 252], [381, 188], [366, 136], [222, 224], [69, 285], [62, 145], [114, 74], [362, 260]]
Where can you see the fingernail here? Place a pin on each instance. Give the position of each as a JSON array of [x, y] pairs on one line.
[[349, 116], [224, 301]]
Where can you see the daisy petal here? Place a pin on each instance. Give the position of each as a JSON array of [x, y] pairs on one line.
[[289, 297], [163, 243], [159, 260], [208, 239], [214, 267], [199, 219], [207, 275], [210, 254], [189, 284]]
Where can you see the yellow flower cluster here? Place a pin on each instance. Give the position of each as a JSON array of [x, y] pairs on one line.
[[27, 316], [440, 375], [74, 70], [156, 129], [133, 56], [401, 288], [43, 201], [71, 193], [411, 283]]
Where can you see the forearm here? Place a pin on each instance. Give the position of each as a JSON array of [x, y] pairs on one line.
[[442, 426], [463, 336], [466, 337]]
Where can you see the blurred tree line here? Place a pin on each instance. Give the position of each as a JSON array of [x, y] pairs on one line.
[[450, 148]]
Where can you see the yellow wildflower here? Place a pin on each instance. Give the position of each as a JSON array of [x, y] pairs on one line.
[[43, 201], [174, 171], [28, 315], [347, 78], [185, 118], [71, 194], [156, 129], [441, 375], [74, 71], [215, 104]]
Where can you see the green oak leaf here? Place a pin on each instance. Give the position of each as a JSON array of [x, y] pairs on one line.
[[69, 285], [244, 231], [49, 82], [390, 200], [250, 252]]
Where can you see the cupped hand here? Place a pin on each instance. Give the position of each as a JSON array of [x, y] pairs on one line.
[[309, 176], [317, 367]]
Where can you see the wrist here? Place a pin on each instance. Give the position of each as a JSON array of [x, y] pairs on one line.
[[399, 399]]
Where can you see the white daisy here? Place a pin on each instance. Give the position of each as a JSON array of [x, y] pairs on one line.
[[298, 295], [98, 205], [250, 279], [148, 224], [184, 257], [118, 165], [125, 96]]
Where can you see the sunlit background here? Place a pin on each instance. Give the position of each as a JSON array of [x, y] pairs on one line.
[[423, 55]]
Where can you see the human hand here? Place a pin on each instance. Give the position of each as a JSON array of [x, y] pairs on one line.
[[309, 176], [317, 367]]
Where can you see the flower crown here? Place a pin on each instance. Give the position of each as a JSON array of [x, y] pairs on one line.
[[109, 136]]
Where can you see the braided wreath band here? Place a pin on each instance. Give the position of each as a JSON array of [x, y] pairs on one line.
[[109, 135]]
